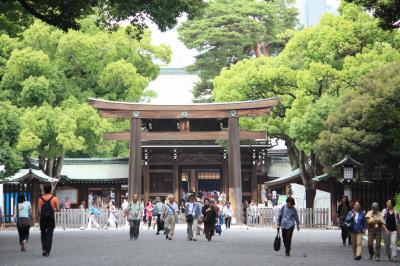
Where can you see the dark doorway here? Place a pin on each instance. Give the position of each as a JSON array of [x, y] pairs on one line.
[[209, 179]]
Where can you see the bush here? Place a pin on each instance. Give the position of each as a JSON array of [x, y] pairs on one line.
[[397, 199]]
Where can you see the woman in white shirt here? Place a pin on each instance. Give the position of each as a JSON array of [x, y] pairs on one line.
[[227, 212], [22, 214]]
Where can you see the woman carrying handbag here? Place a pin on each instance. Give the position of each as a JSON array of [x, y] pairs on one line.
[[22, 214]]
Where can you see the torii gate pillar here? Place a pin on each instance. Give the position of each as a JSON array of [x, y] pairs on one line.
[[135, 158]]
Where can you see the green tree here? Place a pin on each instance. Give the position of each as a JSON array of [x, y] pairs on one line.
[[387, 11], [231, 30], [13, 18], [317, 66], [10, 158], [64, 14], [49, 74], [48, 65], [51, 132], [365, 124]]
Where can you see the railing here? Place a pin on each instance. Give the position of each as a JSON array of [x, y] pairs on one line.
[[77, 218], [309, 218]]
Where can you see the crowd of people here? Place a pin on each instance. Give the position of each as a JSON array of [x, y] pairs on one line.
[[354, 222], [206, 214]]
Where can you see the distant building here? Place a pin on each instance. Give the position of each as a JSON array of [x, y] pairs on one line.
[[311, 11]]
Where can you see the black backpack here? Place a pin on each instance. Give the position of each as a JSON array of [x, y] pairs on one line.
[[47, 212]]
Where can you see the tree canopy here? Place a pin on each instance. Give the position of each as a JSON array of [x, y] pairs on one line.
[[231, 30], [317, 66], [65, 14], [365, 123], [46, 78], [387, 11]]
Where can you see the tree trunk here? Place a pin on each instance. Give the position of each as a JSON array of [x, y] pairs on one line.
[[307, 175], [257, 49], [58, 166], [265, 49], [49, 167]]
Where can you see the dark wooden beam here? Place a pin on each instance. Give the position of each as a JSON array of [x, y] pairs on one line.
[[168, 114], [187, 135], [112, 105]]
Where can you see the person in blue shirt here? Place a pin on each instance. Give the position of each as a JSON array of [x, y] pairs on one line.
[[287, 219], [356, 219]]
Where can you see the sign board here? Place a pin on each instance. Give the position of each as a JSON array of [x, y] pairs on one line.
[[71, 193], [282, 199]]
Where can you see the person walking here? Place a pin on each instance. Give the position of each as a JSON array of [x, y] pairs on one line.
[[210, 214], [149, 213], [375, 223], [134, 212], [287, 219], [22, 214], [93, 214], [192, 212], [227, 212], [158, 209], [48, 204], [392, 218], [170, 214], [113, 216], [343, 209], [82, 207], [356, 219]]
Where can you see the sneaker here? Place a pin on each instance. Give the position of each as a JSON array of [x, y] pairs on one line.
[[157, 233], [371, 257], [377, 259], [357, 258], [169, 238], [166, 236], [194, 239]]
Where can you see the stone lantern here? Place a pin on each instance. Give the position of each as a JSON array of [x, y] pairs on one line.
[[349, 173]]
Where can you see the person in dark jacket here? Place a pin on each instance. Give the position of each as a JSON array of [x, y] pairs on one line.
[[210, 215], [356, 217], [343, 209]]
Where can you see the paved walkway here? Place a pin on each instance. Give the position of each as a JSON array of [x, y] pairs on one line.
[[237, 246]]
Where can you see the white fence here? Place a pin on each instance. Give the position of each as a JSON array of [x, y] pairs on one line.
[[309, 218], [76, 218]]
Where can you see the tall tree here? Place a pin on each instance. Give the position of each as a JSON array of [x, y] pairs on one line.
[[388, 11], [49, 74], [316, 67], [10, 158], [365, 124], [64, 14], [231, 30]]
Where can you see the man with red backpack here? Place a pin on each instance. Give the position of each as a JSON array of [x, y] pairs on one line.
[[48, 204]]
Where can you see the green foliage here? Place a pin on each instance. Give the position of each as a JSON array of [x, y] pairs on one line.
[[65, 14], [10, 158], [231, 30], [13, 18], [312, 77], [397, 199], [388, 11], [47, 76], [48, 65], [54, 130], [365, 124]]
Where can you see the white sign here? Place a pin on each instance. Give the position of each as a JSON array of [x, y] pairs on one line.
[[72, 194]]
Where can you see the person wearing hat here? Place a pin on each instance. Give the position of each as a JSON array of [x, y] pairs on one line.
[[375, 223], [192, 213]]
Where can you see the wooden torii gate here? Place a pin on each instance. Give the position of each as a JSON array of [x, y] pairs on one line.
[[231, 111]]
